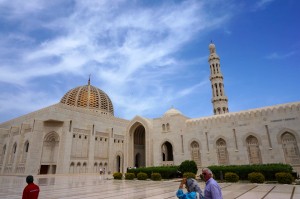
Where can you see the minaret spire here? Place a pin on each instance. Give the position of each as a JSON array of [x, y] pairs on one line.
[[219, 98]]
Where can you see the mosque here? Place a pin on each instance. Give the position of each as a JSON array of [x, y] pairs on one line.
[[80, 134]]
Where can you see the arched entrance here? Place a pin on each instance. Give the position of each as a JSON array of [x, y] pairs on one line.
[[167, 153], [139, 147], [49, 153], [118, 164]]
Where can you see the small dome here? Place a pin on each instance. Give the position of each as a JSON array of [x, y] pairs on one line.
[[213, 53], [89, 97], [172, 111], [211, 45]]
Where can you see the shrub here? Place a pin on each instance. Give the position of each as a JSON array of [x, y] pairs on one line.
[[166, 172], [188, 166], [189, 175], [284, 178], [156, 176], [117, 176], [231, 177], [142, 176], [129, 176], [256, 177]]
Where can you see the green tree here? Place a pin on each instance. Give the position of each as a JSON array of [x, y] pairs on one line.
[[188, 166]]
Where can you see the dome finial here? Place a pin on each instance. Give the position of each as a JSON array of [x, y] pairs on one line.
[[89, 82]]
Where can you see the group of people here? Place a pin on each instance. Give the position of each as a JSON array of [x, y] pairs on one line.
[[102, 171], [212, 189]]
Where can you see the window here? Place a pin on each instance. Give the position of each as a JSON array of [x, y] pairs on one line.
[[27, 147]]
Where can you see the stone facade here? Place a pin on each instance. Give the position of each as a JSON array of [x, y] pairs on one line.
[[66, 138]]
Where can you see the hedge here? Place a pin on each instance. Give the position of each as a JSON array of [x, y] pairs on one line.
[[268, 170]]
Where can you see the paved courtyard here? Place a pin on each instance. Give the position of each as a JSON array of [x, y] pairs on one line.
[[95, 186]]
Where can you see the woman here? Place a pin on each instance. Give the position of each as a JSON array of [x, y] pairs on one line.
[[193, 189]]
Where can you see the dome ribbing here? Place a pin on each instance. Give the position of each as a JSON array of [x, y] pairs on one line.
[[89, 97]]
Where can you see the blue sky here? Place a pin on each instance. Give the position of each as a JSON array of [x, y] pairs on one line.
[[148, 55]]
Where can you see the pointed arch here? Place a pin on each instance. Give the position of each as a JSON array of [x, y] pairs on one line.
[[3, 154], [222, 152], [84, 167], [50, 149], [168, 126], [254, 153], [167, 153], [290, 148], [95, 170], [195, 152], [13, 153], [130, 131], [78, 167], [51, 136], [25, 151], [119, 162], [163, 127], [138, 143], [71, 169]]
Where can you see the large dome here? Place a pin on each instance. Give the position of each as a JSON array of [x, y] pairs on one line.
[[89, 97]]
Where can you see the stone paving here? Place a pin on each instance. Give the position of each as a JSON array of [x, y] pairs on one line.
[[95, 186]]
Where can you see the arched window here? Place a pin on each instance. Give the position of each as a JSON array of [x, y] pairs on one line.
[[222, 152], [13, 153], [26, 147], [195, 153], [3, 154], [78, 167], [164, 127], [84, 167], [290, 148], [168, 127], [253, 150], [71, 170], [15, 148], [220, 87], [25, 152]]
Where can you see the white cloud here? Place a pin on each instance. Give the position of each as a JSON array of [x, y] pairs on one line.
[[23, 102], [275, 55], [262, 4], [129, 47]]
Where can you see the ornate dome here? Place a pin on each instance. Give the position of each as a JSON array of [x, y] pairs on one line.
[[89, 97]]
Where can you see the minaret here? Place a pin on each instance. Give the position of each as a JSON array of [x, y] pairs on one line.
[[219, 98]]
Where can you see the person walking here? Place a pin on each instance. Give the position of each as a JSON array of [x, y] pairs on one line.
[[193, 189], [31, 191], [212, 189]]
